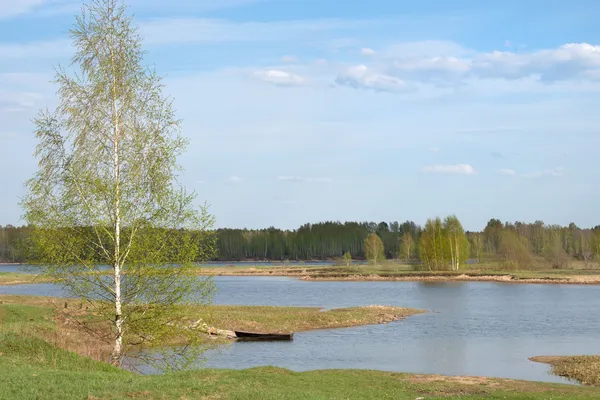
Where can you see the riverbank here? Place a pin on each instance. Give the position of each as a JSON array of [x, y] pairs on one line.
[[582, 369], [384, 272], [33, 342], [70, 320], [16, 278], [61, 374], [403, 273]]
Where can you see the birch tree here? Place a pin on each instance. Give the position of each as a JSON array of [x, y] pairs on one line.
[[407, 247], [476, 239], [431, 245], [348, 258], [513, 250], [457, 245], [374, 250], [108, 164]]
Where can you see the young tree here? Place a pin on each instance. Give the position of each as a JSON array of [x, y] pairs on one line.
[[457, 245], [431, 245], [348, 258], [476, 239], [586, 246], [595, 243], [513, 249], [407, 247], [374, 250], [554, 251], [106, 192]]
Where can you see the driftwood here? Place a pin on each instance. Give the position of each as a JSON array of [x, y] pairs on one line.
[[203, 327], [212, 331]]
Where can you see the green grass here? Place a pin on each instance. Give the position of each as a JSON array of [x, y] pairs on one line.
[[34, 369]]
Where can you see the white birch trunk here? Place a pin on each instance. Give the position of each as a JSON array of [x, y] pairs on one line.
[[457, 252], [118, 345]]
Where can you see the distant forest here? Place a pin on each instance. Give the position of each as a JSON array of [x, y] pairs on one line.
[[518, 242]]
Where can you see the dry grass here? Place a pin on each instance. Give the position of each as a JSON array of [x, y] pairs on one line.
[[72, 329], [577, 273], [583, 369], [57, 325], [465, 277], [295, 319], [491, 272], [15, 278]]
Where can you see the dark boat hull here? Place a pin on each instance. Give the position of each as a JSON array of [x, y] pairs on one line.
[[263, 336]]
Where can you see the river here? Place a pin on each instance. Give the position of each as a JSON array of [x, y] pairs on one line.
[[472, 328]]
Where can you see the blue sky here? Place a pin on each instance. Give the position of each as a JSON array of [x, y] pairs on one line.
[[303, 111]]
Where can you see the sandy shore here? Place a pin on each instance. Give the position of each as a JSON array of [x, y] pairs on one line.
[[573, 280]]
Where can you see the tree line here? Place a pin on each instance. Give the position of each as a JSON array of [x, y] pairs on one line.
[[440, 244]]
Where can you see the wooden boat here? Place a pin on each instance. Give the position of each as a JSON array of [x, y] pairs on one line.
[[263, 336]]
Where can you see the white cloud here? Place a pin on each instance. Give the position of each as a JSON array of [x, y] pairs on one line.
[[188, 5], [507, 171], [361, 77], [235, 179], [46, 8], [11, 8], [462, 169], [570, 67], [289, 59], [199, 30], [424, 49], [433, 65], [569, 61], [555, 172], [52, 49], [365, 51], [301, 179], [280, 78], [11, 101]]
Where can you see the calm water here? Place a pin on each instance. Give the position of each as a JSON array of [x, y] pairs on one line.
[[473, 328]]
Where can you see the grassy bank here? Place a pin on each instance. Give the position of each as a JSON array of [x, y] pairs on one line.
[[398, 272], [33, 368], [578, 273], [255, 318], [583, 369], [16, 278], [62, 322]]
